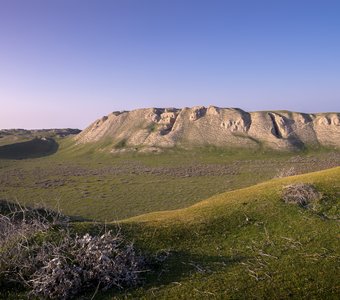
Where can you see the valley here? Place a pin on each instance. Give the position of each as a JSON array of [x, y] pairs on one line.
[[108, 187]]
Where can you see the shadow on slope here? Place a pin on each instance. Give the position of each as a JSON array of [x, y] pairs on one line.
[[181, 264], [176, 268], [35, 148]]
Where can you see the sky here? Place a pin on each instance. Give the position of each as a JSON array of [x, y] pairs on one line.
[[65, 63]]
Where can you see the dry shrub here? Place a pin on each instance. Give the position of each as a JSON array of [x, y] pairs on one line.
[[300, 193], [285, 172], [86, 262], [38, 252], [19, 229]]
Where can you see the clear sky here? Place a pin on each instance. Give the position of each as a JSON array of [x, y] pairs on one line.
[[64, 63]]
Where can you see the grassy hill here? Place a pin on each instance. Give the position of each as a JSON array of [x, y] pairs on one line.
[[30, 149], [244, 244], [10, 136]]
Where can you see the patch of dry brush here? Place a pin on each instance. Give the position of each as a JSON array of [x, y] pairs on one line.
[[302, 194], [38, 251]]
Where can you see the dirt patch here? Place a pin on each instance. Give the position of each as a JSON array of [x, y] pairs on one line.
[[50, 183]]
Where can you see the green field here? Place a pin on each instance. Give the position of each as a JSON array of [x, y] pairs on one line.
[[217, 212], [101, 186]]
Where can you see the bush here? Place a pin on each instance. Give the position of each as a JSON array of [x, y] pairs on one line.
[[301, 193], [86, 262], [285, 172], [20, 229], [39, 253]]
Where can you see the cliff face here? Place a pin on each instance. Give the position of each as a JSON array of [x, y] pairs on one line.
[[225, 127]]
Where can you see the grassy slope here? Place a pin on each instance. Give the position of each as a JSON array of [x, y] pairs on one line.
[[29, 149], [244, 244]]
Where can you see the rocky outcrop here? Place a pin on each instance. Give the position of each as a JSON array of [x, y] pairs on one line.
[[154, 128]]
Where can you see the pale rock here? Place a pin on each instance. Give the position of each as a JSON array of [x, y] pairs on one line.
[[157, 128]]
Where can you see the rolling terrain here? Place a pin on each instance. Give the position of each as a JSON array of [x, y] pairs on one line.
[[246, 244], [214, 216], [242, 244], [11, 136], [106, 187]]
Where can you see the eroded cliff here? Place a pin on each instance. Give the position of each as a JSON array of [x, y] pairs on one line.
[[155, 128]]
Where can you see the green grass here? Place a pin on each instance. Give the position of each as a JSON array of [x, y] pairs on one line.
[[242, 242], [97, 185]]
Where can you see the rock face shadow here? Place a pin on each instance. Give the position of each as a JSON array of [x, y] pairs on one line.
[[35, 148]]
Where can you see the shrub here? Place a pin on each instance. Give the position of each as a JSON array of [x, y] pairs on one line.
[[39, 253], [121, 144], [301, 193], [86, 262], [20, 229], [285, 172]]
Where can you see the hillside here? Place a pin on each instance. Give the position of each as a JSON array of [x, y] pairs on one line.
[[245, 244], [9, 136], [150, 130]]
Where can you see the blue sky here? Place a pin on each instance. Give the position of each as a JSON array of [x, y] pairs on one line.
[[64, 63]]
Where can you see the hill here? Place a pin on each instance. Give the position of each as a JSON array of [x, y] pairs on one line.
[[9, 136], [23, 143], [34, 148], [246, 244], [155, 128]]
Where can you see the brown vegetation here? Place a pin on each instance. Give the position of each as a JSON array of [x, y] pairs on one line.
[[38, 252]]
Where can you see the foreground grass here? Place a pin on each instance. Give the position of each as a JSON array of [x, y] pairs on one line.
[[244, 244], [241, 244]]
